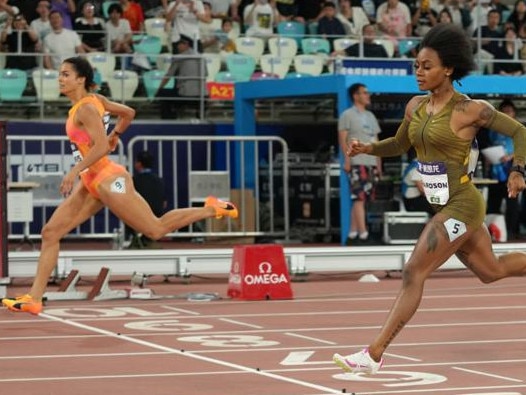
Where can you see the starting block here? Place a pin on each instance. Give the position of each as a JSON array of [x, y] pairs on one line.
[[68, 290], [100, 291], [259, 272]]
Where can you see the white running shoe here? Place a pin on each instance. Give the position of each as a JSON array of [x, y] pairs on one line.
[[361, 362]]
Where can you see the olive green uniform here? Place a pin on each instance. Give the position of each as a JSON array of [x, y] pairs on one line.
[[435, 143]]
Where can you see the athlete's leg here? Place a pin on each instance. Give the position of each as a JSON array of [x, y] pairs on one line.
[[477, 254], [131, 208], [431, 251], [76, 209]]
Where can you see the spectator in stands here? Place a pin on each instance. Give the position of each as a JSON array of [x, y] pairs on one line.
[[479, 14], [490, 42], [225, 9], [185, 15], [508, 51], [260, 17], [67, 9], [370, 48], [330, 27], [134, 13], [119, 31], [7, 13], [19, 37], [522, 52], [497, 5], [206, 29], [364, 171], [310, 11], [460, 14], [497, 193], [517, 17], [394, 19], [41, 24], [219, 41], [189, 82], [91, 29], [151, 187], [287, 10], [61, 43], [423, 18], [444, 16], [352, 17], [28, 8]]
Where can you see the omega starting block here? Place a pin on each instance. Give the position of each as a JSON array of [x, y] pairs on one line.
[[101, 288]]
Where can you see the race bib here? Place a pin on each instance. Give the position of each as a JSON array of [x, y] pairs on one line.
[[77, 156], [434, 178]]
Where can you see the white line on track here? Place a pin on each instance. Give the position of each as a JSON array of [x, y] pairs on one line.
[[180, 310], [488, 374], [310, 338], [403, 357], [241, 323], [192, 355]]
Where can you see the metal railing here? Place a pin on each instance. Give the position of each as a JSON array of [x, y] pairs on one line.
[[192, 167]]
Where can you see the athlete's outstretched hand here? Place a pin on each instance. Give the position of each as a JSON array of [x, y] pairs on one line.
[[515, 184], [356, 147], [67, 184]]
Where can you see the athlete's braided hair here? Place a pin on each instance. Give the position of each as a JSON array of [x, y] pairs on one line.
[[453, 47], [83, 68]]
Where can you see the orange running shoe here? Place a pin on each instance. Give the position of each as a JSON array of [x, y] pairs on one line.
[[222, 208], [24, 303]]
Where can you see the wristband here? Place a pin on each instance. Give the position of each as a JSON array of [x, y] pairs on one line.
[[518, 169]]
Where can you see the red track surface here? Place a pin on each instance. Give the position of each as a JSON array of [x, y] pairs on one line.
[[467, 338]]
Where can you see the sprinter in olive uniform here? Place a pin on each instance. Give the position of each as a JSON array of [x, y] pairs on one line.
[[441, 126]]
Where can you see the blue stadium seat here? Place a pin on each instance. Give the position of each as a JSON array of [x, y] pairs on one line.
[[13, 82]]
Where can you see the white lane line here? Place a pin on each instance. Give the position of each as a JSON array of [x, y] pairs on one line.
[[403, 357], [241, 323], [117, 376], [58, 312], [496, 376], [310, 338], [181, 310], [53, 356], [192, 355]]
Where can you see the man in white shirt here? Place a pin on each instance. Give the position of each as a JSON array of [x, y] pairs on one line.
[[41, 25], [7, 12], [260, 17], [185, 15], [118, 30], [61, 43]]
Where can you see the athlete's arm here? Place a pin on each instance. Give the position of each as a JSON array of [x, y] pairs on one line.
[[124, 115], [392, 146]]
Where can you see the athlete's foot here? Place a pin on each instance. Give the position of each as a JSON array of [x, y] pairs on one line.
[[23, 304], [222, 208], [360, 362]]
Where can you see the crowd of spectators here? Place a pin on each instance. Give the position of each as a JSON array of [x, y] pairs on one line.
[[62, 28]]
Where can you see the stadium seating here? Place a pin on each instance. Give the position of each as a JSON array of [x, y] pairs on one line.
[[308, 64], [315, 45], [123, 84], [283, 46], [242, 66], [103, 62], [46, 84], [253, 46], [156, 27], [276, 65], [13, 83]]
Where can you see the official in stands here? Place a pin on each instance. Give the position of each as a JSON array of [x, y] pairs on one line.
[[186, 69], [441, 126]]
